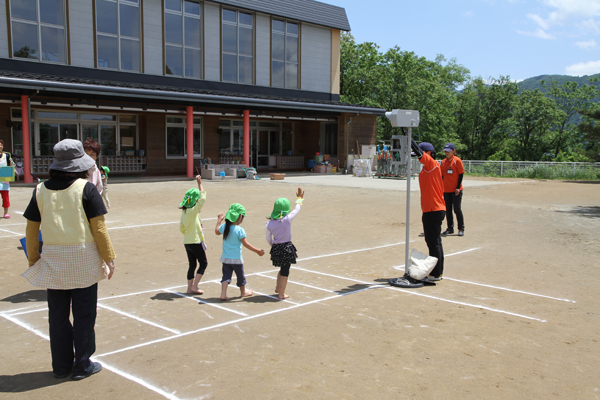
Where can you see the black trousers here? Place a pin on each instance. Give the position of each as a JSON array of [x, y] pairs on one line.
[[432, 226], [195, 252], [454, 201], [72, 342]]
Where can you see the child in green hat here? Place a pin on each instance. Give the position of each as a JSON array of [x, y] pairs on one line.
[[279, 236], [191, 227], [234, 237]]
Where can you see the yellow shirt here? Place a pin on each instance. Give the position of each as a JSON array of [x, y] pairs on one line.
[[191, 224]]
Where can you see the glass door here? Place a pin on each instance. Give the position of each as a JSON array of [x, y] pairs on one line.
[[262, 146]]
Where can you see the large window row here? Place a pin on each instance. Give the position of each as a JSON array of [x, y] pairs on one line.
[[117, 133], [39, 32]]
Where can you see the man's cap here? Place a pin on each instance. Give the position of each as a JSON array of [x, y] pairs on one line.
[[235, 210], [449, 147], [426, 146]]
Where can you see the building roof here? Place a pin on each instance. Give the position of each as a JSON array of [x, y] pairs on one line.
[[142, 92], [311, 11]]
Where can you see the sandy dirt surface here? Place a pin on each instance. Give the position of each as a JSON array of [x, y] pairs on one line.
[[516, 316]]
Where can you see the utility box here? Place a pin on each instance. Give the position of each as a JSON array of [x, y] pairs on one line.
[[399, 148], [403, 118]]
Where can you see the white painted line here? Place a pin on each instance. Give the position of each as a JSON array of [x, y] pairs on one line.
[[300, 284], [145, 321], [230, 322], [424, 295], [490, 286], [411, 291], [14, 233], [352, 251], [170, 396], [154, 224], [19, 212], [18, 224], [26, 326], [275, 298], [207, 303], [510, 290]]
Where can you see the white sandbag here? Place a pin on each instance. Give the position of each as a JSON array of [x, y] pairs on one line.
[[420, 265]]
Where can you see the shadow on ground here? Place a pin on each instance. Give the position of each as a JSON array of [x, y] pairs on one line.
[[27, 297], [28, 381], [588, 212]]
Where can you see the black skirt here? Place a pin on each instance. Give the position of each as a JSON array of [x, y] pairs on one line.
[[283, 254]]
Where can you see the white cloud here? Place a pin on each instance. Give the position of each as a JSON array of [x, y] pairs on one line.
[[539, 21], [590, 25], [588, 68], [469, 14], [538, 33], [590, 44]]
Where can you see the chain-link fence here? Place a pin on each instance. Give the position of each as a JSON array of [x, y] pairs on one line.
[[534, 169]]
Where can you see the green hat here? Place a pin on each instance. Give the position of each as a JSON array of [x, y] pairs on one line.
[[281, 208], [106, 170], [235, 210], [191, 197]]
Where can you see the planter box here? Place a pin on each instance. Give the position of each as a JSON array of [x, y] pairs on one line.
[[277, 177]]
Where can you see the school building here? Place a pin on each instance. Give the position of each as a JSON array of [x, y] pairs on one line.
[[166, 85]]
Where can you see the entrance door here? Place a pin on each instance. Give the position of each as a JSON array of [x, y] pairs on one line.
[[262, 154]]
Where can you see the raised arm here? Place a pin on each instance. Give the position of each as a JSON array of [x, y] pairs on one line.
[[219, 222]]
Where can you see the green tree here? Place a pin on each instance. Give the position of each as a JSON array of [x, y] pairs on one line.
[[530, 126], [590, 128], [570, 97], [481, 109], [360, 66]]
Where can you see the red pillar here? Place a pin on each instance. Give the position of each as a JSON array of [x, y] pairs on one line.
[[247, 138], [190, 140], [26, 140]]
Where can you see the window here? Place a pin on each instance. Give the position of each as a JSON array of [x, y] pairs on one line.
[[177, 139], [118, 34], [182, 39], [38, 30], [284, 54], [238, 47], [116, 133]]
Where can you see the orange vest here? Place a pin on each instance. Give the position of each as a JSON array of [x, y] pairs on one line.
[[451, 169], [431, 184]]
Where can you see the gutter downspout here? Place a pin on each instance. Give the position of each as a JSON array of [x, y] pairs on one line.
[[347, 140], [26, 125]]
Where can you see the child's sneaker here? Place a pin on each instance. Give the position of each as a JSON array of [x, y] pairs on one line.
[[6, 216], [431, 278], [448, 232]]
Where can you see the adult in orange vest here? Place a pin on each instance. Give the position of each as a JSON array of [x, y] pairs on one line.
[[432, 204], [452, 173]]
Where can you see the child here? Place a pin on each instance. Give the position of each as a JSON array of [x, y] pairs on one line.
[[191, 227], [104, 171], [233, 238], [19, 171], [5, 161], [279, 236], [92, 149]]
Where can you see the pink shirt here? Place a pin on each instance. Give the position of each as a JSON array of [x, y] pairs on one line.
[[280, 230], [96, 179]]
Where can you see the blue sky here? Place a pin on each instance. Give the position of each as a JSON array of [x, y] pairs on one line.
[[518, 38]]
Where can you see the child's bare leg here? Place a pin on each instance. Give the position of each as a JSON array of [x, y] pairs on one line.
[[281, 284], [193, 285], [224, 290], [277, 284], [245, 292]]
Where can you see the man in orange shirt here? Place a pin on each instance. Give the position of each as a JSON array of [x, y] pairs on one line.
[[432, 204], [452, 173]]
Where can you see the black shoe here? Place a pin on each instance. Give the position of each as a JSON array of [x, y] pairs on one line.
[[63, 376], [96, 367], [448, 232]]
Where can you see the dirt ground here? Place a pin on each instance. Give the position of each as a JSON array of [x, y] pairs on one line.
[[516, 317]]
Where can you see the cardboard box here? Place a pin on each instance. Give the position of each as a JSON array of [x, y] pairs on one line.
[[277, 177]]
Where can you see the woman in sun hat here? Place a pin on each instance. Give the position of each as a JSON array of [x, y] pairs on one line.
[[279, 236], [77, 254], [234, 237]]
